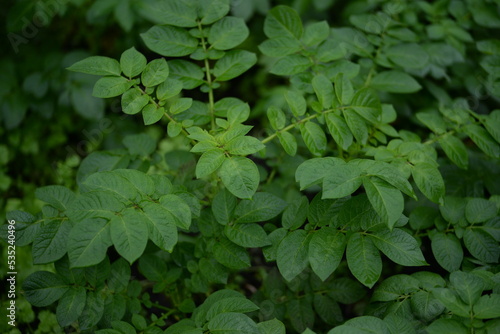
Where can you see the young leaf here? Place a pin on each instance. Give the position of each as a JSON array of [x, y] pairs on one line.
[[132, 62], [97, 65], [314, 137], [395, 82], [231, 255], [324, 90], [296, 102], [228, 33], [289, 143], [316, 33], [276, 117], [363, 259], [240, 176], [152, 114], [247, 235], [262, 207], [399, 246], [111, 86], [326, 250], [343, 89], [133, 100], [429, 181], [243, 145], [339, 130], [292, 257], [169, 41], [155, 73], [283, 21], [341, 181], [455, 150], [233, 64], [447, 250], [129, 234], [385, 199]]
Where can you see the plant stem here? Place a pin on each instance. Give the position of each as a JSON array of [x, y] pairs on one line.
[[211, 103]]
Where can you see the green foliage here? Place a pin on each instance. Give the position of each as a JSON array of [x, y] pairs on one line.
[[322, 167]]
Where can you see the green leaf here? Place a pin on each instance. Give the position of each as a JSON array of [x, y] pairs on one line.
[[429, 181], [481, 245], [95, 204], [387, 201], [357, 125], [93, 310], [97, 65], [343, 89], [399, 246], [362, 325], [395, 82], [169, 41], [447, 250], [312, 171], [301, 314], [111, 86], [314, 137], [290, 65], [488, 307], [296, 102], [316, 33], [451, 301], [283, 21], [228, 33], [341, 181], [70, 306], [295, 214], [174, 129], [367, 105], [132, 62], [155, 73], [492, 123], [230, 322], [223, 206], [175, 13], [238, 114], [129, 234], [433, 120], [50, 242], [426, 306], [327, 309], [152, 114], [232, 304], [212, 10], [189, 74], [446, 326], [133, 100], [394, 287], [479, 210], [339, 130], [326, 250], [262, 207], [240, 176], [178, 208], [483, 140], [279, 47], [324, 90], [57, 196], [247, 235], [468, 286], [231, 255], [276, 117], [88, 242], [391, 175], [363, 259], [43, 288], [289, 143], [407, 55], [273, 326], [233, 64], [162, 228], [209, 162], [180, 105], [456, 150], [168, 88], [243, 145], [292, 257], [114, 183]]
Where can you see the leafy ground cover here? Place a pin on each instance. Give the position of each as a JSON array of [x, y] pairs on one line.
[[252, 166]]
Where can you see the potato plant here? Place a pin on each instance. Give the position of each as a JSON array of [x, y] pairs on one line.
[[334, 172]]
